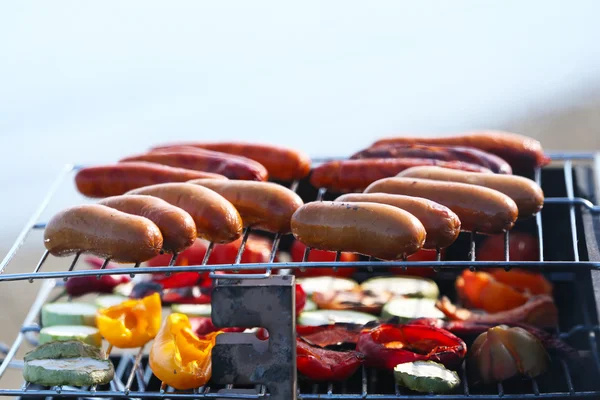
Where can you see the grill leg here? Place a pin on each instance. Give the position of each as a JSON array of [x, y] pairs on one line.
[[243, 359]]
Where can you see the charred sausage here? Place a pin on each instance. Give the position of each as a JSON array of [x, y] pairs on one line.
[[442, 153], [282, 163], [103, 231], [262, 205], [377, 230], [233, 167], [441, 224], [216, 218], [356, 175], [177, 226], [117, 179], [518, 150], [480, 209], [528, 196]]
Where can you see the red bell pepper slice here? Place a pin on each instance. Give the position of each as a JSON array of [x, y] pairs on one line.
[[388, 345], [326, 365], [330, 335], [300, 299]]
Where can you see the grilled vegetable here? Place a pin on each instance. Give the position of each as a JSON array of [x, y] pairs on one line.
[[409, 309], [325, 317], [388, 345], [503, 352], [326, 365], [132, 323], [72, 313], [330, 335], [109, 300], [539, 311], [358, 300], [85, 334], [426, 376], [71, 363], [178, 357], [202, 326], [297, 254], [81, 285], [310, 305], [403, 286], [325, 284]]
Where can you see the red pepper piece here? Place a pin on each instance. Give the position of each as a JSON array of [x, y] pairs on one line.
[[388, 345], [178, 279], [186, 296], [300, 299], [330, 335], [326, 365], [81, 285], [203, 326]]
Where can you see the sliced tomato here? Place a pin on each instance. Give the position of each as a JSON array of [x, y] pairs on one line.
[[297, 254], [522, 247]]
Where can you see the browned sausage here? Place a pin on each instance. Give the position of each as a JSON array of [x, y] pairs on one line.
[[282, 163], [117, 179], [262, 205], [233, 167], [518, 150], [441, 224], [480, 209], [356, 175], [442, 153], [177, 226], [377, 230], [216, 218], [103, 231], [526, 193]]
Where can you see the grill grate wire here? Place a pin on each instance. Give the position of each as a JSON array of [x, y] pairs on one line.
[[129, 369]]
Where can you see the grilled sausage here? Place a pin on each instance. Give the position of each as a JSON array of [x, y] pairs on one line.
[[177, 226], [117, 179], [517, 150], [480, 209], [262, 205], [441, 224], [282, 163], [216, 218], [442, 153], [356, 175], [377, 230], [526, 193], [103, 231], [233, 167]]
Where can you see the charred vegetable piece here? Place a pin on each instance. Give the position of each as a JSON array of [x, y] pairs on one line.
[[81, 285], [407, 309], [326, 284], [358, 300], [400, 286], [388, 345], [68, 313], [426, 376], [503, 352], [326, 365], [71, 363], [325, 317], [109, 300], [330, 335]]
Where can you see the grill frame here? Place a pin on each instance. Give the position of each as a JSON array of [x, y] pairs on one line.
[[122, 390]]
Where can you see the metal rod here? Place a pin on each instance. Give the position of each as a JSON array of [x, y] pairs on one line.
[[538, 217], [294, 186], [136, 364], [34, 218], [240, 253], [363, 378], [321, 194], [568, 170], [39, 264], [73, 263]]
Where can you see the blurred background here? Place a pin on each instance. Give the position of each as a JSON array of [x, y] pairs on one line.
[[90, 82]]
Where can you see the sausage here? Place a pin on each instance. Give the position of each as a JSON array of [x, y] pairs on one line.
[[377, 230], [441, 224], [262, 205], [216, 219], [442, 153], [103, 231], [528, 196], [117, 179], [517, 150], [282, 163], [177, 226], [353, 175], [233, 167], [480, 209]]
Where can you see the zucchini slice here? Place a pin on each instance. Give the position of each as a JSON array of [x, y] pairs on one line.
[[192, 310], [310, 305], [326, 317], [407, 309], [86, 334], [69, 313], [325, 284], [426, 377], [403, 286], [109, 300]]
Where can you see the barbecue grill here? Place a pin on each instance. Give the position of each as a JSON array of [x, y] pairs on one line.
[[568, 229]]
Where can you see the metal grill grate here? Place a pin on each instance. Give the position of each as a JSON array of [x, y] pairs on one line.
[[135, 380]]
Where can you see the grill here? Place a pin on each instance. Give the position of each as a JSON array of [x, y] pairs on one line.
[[569, 236]]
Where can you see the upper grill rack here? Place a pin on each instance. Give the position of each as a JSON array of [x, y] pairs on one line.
[[133, 376]]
